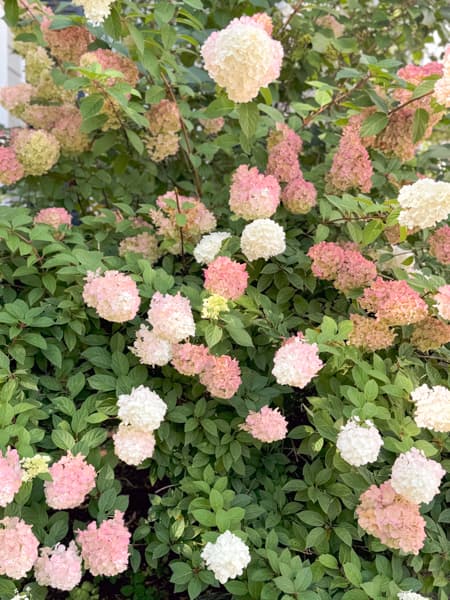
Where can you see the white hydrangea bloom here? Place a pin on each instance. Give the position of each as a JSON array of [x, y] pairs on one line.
[[263, 238], [415, 477], [227, 557], [151, 349], [96, 11], [424, 203], [359, 443], [432, 407], [209, 247], [132, 445], [143, 408], [410, 596]]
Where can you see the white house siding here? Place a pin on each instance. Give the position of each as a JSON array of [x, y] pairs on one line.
[[11, 69]]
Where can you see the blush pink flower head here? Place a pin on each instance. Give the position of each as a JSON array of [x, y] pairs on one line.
[[59, 568], [443, 301], [11, 170], [439, 243], [114, 295], [133, 444], [266, 425], [296, 362], [171, 317], [283, 146], [253, 195], [299, 196], [394, 302], [104, 549], [19, 547], [72, 479], [191, 359], [222, 377], [226, 278], [53, 217], [10, 476]]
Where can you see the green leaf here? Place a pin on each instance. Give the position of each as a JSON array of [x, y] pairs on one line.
[[239, 335], [91, 105], [353, 574], [103, 383], [374, 124], [204, 517], [248, 118], [284, 584], [62, 439], [420, 124], [11, 12], [215, 500], [135, 141], [213, 334], [218, 108], [163, 12], [181, 572], [424, 87]]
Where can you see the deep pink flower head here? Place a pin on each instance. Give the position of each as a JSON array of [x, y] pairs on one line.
[[226, 278], [114, 295], [171, 317], [439, 243], [443, 301], [327, 259], [54, 217], [396, 522], [68, 44], [355, 271], [266, 425], [19, 547], [10, 476], [253, 195], [283, 146], [104, 549], [191, 359], [11, 170], [58, 567], [222, 377], [296, 362], [415, 74], [72, 479], [394, 302], [299, 196]]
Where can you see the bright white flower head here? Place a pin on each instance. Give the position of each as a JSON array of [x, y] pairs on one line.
[[359, 443], [143, 408], [416, 477], [432, 407], [151, 349], [410, 596], [96, 11], [424, 203], [209, 247], [227, 557], [263, 238], [132, 445]]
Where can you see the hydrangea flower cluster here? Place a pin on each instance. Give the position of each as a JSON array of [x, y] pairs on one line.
[[59, 568], [439, 244], [213, 306], [72, 479], [11, 170], [142, 243], [199, 220], [212, 126], [424, 203], [96, 11], [394, 302], [351, 167], [253, 195], [299, 196], [114, 295], [346, 267], [227, 557], [296, 362], [36, 150], [416, 477], [226, 278], [105, 548], [19, 547], [266, 425], [164, 122], [443, 301], [242, 58], [15, 98], [209, 247], [429, 334], [150, 348], [330, 22], [222, 376], [432, 407], [11, 476], [395, 521], [171, 317], [410, 596], [358, 442], [191, 359], [54, 217], [141, 413], [109, 60], [34, 465], [442, 87], [370, 334], [68, 44], [263, 238]]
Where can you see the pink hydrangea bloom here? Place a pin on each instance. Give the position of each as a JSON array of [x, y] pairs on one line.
[[114, 296], [439, 243], [108, 59], [429, 334], [252, 194], [266, 425], [164, 117], [10, 476], [263, 20], [19, 547], [442, 87], [226, 278], [299, 196], [151, 349], [351, 167], [396, 522], [330, 22], [133, 445], [68, 44], [53, 217], [327, 259], [443, 301], [15, 98], [171, 317], [296, 362], [191, 359], [72, 479], [370, 334], [59, 568], [67, 130], [242, 58], [11, 170], [105, 548], [283, 147], [394, 302], [222, 377]]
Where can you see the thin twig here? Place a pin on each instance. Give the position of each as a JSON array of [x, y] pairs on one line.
[[291, 16], [400, 106], [180, 227]]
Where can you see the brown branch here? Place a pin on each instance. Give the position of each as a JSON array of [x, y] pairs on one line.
[[400, 106], [291, 16]]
